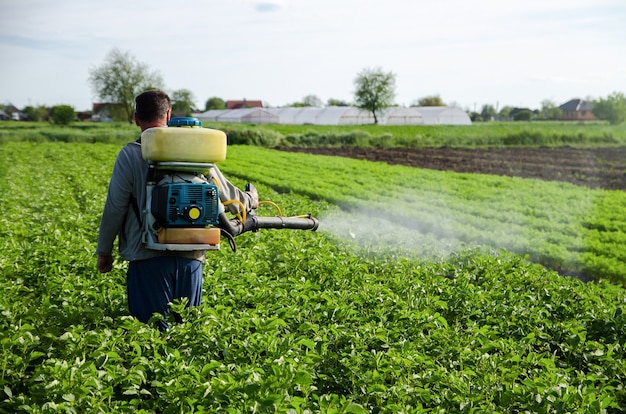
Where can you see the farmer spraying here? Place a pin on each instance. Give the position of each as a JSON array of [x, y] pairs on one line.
[[166, 205]]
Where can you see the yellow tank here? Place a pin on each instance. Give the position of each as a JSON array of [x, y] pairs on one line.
[[209, 235], [176, 144]]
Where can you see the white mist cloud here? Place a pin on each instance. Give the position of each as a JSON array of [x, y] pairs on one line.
[[375, 234]]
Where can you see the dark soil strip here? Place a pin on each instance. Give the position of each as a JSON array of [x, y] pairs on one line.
[[593, 167]]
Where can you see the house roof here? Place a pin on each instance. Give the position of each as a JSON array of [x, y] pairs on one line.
[[576, 105], [243, 104]]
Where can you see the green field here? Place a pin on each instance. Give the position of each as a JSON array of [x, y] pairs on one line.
[[422, 291]]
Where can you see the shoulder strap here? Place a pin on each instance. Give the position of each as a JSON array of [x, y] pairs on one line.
[[133, 200]]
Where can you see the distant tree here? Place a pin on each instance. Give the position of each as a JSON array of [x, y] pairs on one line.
[[8, 109], [62, 114], [336, 102], [549, 110], [375, 90], [36, 114], [505, 113], [214, 103], [523, 115], [432, 100], [183, 102], [312, 100], [116, 112], [475, 116], [612, 109], [121, 78], [488, 113], [309, 100]]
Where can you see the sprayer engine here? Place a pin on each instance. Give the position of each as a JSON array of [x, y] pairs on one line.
[[183, 211], [189, 202]]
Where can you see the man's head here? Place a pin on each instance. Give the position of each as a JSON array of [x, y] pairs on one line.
[[152, 108]]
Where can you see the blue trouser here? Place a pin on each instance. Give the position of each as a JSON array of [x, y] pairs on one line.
[[153, 283]]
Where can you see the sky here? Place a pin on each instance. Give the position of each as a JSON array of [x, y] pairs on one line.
[[470, 53]]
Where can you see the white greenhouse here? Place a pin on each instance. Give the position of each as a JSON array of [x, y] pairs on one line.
[[339, 115]]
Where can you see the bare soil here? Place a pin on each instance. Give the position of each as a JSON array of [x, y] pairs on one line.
[[593, 167]]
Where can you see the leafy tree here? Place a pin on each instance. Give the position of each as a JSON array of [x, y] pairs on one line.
[[475, 116], [505, 113], [488, 112], [336, 102], [214, 103], [121, 78], [309, 100], [183, 102], [432, 100], [62, 114], [375, 90], [612, 109], [36, 114], [312, 100], [523, 115], [549, 110]]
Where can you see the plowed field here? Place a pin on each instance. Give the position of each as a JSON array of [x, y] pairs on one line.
[[593, 167]]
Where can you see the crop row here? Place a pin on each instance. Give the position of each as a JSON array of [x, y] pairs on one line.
[[568, 228], [293, 321]]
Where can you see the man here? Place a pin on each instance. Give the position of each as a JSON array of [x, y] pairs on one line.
[[154, 278]]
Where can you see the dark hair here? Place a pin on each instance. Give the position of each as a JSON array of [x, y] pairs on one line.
[[152, 105]]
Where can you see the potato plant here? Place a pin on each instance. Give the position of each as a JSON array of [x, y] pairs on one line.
[[297, 322], [574, 230]]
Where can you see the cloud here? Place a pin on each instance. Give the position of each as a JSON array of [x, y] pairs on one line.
[[268, 7], [26, 42]]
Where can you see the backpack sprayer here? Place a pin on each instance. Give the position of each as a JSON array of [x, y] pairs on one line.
[[183, 210]]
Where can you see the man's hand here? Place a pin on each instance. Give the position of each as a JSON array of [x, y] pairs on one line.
[[105, 263], [250, 189]]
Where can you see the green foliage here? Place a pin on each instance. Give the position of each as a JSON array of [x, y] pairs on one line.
[[311, 100], [36, 114], [183, 102], [214, 103], [253, 137], [488, 113], [611, 108], [294, 321], [505, 113], [561, 226], [337, 102], [550, 110], [409, 136], [89, 132], [375, 90], [523, 115], [432, 100], [120, 78], [62, 114]]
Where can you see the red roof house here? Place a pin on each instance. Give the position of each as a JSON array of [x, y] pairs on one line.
[[243, 104]]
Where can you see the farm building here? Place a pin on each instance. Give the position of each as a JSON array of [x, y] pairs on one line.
[[577, 110], [339, 115], [243, 104], [245, 115]]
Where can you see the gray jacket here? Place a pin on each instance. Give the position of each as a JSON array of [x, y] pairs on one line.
[[119, 218]]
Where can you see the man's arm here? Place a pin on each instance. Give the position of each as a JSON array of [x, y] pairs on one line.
[[115, 208], [228, 191]]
